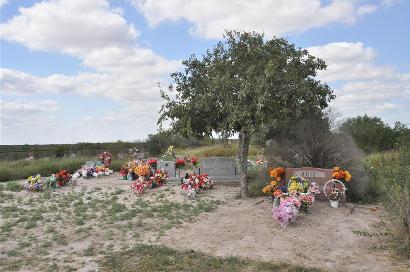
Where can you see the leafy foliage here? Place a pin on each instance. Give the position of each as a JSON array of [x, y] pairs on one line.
[[371, 134], [244, 82], [240, 86]]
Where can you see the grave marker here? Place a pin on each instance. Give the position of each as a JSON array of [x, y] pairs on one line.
[[318, 175], [220, 169], [169, 167]]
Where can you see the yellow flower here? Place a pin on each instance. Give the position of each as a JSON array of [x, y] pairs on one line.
[[348, 176], [293, 187], [273, 183]]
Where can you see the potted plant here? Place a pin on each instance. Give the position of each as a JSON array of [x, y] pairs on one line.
[[334, 197]]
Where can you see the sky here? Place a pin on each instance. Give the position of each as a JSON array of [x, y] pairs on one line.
[[88, 70]]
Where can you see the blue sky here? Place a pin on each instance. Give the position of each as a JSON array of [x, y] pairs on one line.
[[87, 70]]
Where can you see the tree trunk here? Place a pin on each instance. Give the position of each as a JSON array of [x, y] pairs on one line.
[[243, 149]]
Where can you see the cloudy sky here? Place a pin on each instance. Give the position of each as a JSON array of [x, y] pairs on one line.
[[87, 70]]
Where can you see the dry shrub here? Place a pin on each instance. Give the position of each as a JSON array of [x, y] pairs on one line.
[[311, 142]]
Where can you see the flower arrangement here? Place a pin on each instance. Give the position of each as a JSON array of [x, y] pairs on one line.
[[140, 185], [180, 163], [261, 162], [142, 170], [298, 185], [33, 183], [62, 177], [88, 171], [169, 155], [51, 181], [127, 169], [270, 188], [206, 182], [102, 170], [105, 158], [152, 162], [194, 161], [335, 194], [195, 183], [342, 175], [159, 178], [306, 201], [277, 173], [287, 211], [298, 195], [123, 172]]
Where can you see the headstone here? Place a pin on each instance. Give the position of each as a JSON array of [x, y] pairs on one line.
[[318, 175], [92, 163], [220, 169], [169, 167]]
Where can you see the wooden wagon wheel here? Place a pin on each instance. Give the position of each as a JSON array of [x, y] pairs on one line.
[[335, 183]]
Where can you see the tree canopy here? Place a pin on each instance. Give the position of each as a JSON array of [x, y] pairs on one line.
[[371, 134], [242, 85]]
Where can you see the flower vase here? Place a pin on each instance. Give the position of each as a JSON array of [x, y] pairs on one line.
[[334, 203], [276, 202]]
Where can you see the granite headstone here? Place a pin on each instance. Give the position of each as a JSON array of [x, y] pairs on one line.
[[169, 167], [220, 169], [318, 175]]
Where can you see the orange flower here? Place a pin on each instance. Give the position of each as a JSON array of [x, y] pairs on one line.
[[280, 170], [278, 179], [277, 193], [273, 173]]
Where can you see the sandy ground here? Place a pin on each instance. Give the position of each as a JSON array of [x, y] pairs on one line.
[[59, 241], [327, 238]]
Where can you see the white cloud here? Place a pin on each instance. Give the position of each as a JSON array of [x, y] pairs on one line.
[[350, 61], [28, 107], [210, 18], [366, 87], [100, 37], [3, 2], [74, 27]]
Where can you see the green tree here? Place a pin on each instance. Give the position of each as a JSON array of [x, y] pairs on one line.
[[371, 134], [239, 86]]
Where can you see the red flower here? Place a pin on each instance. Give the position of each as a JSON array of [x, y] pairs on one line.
[[152, 161], [194, 161], [179, 163]]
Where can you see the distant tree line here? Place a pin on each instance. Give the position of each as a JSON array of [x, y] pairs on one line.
[[371, 134], [14, 152], [154, 145]]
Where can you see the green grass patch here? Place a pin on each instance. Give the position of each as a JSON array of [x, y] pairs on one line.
[[160, 258]]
